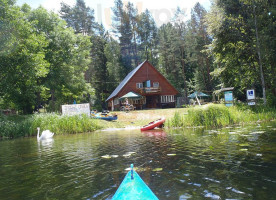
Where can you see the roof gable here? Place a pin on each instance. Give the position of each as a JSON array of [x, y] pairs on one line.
[[124, 82], [133, 74]]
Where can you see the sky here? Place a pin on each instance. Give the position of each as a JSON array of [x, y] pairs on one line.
[[162, 11]]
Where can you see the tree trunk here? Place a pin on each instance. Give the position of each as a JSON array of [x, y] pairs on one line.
[[259, 54], [201, 67], [209, 86], [38, 101], [184, 76], [135, 50]]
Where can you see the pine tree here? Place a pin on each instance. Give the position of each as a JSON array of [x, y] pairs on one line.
[[147, 37], [123, 26], [79, 17], [200, 40], [133, 17], [172, 56], [99, 77]]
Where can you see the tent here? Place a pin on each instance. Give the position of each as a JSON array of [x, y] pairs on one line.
[[197, 94], [131, 95]]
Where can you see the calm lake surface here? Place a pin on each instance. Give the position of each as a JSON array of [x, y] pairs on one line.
[[195, 163]]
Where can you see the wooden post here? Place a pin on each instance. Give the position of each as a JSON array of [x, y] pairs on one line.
[[198, 101]]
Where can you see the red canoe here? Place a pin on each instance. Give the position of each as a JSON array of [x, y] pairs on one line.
[[152, 125]]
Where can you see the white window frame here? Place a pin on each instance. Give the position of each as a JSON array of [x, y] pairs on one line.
[[139, 85], [116, 101], [155, 84], [167, 98], [172, 98]]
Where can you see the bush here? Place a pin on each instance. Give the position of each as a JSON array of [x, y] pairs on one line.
[[271, 100]]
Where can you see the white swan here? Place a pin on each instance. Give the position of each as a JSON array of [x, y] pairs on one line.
[[44, 135]]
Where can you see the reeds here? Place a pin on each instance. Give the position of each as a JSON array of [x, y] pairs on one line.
[[27, 126], [218, 115]]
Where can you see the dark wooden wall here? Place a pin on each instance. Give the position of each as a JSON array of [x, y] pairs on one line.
[[148, 72]]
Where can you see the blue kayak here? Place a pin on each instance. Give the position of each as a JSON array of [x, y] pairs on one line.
[[108, 118], [104, 116], [134, 188]]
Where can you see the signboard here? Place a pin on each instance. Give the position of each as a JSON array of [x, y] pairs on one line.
[[250, 94], [251, 103], [76, 109], [228, 96]]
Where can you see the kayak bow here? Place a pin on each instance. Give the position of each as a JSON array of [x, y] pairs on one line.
[[134, 188]]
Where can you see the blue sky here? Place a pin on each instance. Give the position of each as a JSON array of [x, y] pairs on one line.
[[162, 11]]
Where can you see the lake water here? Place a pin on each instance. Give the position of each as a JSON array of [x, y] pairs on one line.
[[194, 163]]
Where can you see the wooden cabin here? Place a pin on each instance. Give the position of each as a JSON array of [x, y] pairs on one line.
[[154, 89]]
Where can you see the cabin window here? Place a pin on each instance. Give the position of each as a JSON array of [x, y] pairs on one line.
[[139, 101], [136, 101], [156, 84], [139, 85], [146, 83], [116, 101], [167, 98]]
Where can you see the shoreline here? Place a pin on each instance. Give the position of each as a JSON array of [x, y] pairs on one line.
[[120, 129], [212, 116]]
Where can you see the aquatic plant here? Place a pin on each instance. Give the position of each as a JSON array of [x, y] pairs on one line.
[[218, 115], [176, 121], [26, 126], [209, 116]]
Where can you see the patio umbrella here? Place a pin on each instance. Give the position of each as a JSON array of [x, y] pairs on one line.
[[198, 94], [131, 95]]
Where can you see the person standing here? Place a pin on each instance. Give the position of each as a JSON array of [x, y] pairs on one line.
[[126, 102]]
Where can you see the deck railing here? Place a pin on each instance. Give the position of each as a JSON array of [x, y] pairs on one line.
[[150, 90]]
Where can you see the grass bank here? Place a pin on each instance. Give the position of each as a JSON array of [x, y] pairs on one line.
[[218, 115], [24, 126], [211, 115]]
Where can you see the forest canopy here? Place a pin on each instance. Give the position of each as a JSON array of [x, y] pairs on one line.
[[49, 59]]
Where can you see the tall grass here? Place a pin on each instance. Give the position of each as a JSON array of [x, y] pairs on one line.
[[176, 121], [214, 115], [27, 126]]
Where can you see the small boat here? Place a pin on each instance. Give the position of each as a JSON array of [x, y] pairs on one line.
[[134, 188], [157, 123], [108, 118], [104, 116]]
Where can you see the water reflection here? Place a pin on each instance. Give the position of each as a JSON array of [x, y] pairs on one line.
[[195, 163], [158, 133], [45, 144]]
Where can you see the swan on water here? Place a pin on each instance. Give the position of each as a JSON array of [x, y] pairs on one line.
[[44, 135]]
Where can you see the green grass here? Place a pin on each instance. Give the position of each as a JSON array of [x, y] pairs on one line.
[[23, 126], [218, 115], [211, 115]]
